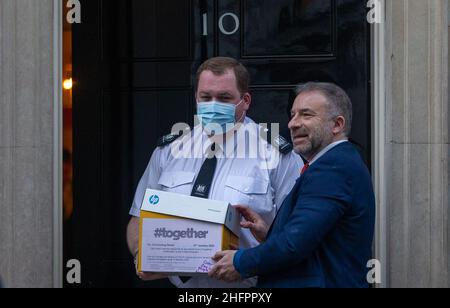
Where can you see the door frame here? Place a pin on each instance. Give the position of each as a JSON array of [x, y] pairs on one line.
[[379, 149], [57, 145]]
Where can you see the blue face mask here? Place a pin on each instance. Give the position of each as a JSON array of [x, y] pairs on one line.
[[217, 113]]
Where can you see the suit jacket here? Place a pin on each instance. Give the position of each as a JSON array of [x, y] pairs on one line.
[[322, 236]]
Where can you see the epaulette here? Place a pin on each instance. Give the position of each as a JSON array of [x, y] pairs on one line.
[[170, 138], [284, 146]]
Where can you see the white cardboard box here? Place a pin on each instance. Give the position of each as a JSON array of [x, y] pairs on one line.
[[180, 234]]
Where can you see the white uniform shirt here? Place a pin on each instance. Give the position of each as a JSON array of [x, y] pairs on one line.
[[261, 182]]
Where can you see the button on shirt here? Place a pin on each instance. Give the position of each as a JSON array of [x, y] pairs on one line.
[[261, 179]]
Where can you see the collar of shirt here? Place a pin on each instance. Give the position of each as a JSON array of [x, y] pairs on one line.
[[325, 150]]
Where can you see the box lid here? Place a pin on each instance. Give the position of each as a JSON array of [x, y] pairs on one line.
[[218, 212]]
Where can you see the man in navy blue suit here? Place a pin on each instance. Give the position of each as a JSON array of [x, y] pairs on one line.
[[322, 235]]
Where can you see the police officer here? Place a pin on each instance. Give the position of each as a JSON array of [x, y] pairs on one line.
[[223, 171]]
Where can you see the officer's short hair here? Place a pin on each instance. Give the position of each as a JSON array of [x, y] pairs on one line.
[[338, 100], [220, 65]]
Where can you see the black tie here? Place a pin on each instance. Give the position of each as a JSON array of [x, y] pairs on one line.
[[203, 183]]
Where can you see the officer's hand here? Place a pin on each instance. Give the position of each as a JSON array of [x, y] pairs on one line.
[[254, 223], [151, 276]]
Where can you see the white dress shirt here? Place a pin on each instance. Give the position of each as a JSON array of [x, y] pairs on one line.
[[325, 150], [252, 180]]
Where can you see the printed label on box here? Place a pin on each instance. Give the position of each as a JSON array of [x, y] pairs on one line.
[[179, 245]]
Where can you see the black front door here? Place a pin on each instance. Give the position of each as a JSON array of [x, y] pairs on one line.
[[286, 42], [134, 72]]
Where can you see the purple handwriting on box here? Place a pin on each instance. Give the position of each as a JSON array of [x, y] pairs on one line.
[[205, 267]]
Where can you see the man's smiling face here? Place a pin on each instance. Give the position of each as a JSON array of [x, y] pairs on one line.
[[311, 124]]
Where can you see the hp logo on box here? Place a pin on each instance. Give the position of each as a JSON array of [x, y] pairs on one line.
[[154, 200]]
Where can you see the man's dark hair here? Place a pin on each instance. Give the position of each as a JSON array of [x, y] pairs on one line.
[[220, 65]]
